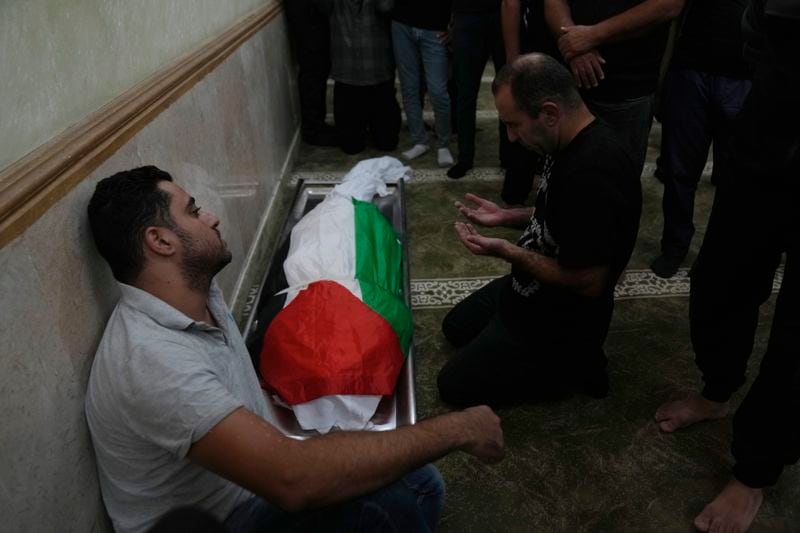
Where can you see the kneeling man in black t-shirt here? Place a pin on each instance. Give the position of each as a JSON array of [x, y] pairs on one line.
[[539, 330]]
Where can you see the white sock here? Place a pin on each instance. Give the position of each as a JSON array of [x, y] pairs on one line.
[[415, 151], [444, 157]]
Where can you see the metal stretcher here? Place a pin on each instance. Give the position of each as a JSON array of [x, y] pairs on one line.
[[393, 411]]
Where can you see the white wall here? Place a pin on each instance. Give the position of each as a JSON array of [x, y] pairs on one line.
[[227, 141], [62, 59]]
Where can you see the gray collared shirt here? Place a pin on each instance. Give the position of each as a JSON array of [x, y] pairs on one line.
[[160, 381]]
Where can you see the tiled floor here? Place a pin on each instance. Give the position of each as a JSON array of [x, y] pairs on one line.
[[576, 464]]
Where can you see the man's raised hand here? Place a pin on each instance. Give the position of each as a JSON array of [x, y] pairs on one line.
[[577, 40], [485, 213], [587, 69], [477, 243]]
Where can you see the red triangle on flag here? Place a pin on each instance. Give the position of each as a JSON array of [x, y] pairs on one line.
[[326, 342]]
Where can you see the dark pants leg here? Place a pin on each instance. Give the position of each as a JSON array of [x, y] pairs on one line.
[[413, 503], [686, 138], [766, 435], [351, 116], [474, 39], [730, 279], [754, 219], [311, 38], [494, 366], [698, 107], [384, 116], [490, 367], [521, 165]]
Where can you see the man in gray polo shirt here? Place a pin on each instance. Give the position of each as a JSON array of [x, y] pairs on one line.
[[176, 413]]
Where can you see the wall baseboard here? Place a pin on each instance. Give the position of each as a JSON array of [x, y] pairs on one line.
[[33, 184]]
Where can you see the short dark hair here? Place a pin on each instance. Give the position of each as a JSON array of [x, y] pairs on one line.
[[535, 79], [121, 208]]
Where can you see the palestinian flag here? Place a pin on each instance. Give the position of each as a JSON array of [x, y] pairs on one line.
[[345, 328]]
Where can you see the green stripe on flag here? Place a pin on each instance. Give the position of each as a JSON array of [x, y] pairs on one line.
[[379, 269]]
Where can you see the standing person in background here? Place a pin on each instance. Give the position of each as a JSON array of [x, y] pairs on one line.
[[614, 49], [476, 37], [364, 102], [703, 92], [312, 42], [518, 20], [753, 222], [419, 28]]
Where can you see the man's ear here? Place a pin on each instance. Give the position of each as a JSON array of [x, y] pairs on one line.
[[550, 113], [160, 240]]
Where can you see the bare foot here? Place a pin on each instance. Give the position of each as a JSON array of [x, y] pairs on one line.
[[690, 410], [732, 511]]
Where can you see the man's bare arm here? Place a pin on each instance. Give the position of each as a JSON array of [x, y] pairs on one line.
[[586, 68], [634, 22], [339, 466], [589, 281], [557, 15], [510, 19]]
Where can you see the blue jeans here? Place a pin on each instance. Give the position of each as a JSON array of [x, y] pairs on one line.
[[419, 52], [412, 503]]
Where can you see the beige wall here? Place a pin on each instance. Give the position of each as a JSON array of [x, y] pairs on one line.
[[228, 141], [62, 59]]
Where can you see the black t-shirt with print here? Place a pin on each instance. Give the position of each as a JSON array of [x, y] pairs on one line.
[[586, 214]]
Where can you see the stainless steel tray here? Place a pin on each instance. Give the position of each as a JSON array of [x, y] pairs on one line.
[[393, 411]]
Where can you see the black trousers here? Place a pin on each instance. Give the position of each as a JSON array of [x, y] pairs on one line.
[[311, 37], [697, 108], [754, 220], [476, 38], [497, 366], [362, 111]]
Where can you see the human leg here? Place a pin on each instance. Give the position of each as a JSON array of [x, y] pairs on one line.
[[409, 63], [728, 97], [469, 59], [473, 313], [731, 278], [311, 33], [728, 285], [350, 116], [686, 133], [384, 116], [412, 503], [435, 64], [764, 439], [520, 164], [492, 369], [734, 270]]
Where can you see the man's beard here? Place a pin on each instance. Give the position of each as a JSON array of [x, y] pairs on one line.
[[201, 260]]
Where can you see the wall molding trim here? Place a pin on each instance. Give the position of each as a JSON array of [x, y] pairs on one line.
[[33, 184]]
